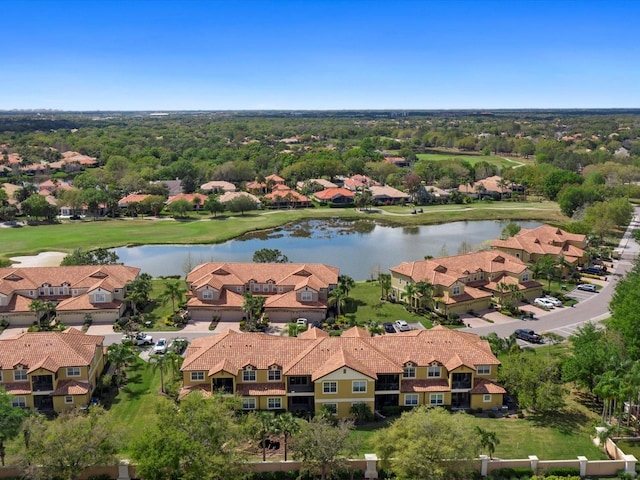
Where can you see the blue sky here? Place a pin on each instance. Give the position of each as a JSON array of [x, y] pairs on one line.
[[269, 54]]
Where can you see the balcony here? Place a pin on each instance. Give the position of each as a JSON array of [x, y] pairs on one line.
[[300, 385], [461, 381], [42, 383], [388, 383]]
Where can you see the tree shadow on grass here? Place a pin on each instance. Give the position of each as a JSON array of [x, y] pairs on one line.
[[589, 401], [567, 420]]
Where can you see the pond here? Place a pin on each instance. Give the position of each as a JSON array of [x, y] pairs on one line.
[[361, 249]]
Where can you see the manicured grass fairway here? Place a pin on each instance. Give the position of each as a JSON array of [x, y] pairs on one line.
[[113, 233], [472, 159]]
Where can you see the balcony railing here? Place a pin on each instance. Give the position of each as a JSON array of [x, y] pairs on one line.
[[461, 385], [300, 388], [387, 386], [42, 386]]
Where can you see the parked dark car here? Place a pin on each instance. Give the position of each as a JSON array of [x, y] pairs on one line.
[[528, 335], [388, 327], [594, 271]]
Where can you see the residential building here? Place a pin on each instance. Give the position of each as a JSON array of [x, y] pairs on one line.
[[385, 195], [195, 199], [464, 283], [301, 185], [132, 198], [283, 197], [51, 371], [218, 186], [439, 367], [292, 290], [334, 196], [95, 290], [228, 196], [529, 245]]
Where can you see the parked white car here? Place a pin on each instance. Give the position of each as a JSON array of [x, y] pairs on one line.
[[556, 302], [543, 302], [402, 326], [160, 346]]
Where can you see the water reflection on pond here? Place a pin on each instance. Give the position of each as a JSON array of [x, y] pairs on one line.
[[360, 249]]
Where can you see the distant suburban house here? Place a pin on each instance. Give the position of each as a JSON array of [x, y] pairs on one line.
[[174, 186], [124, 202], [95, 290], [195, 199], [218, 186], [334, 196], [493, 186], [358, 182], [51, 371], [319, 181], [385, 195], [397, 161], [292, 290], [462, 283], [72, 162], [315, 371], [530, 245], [283, 197], [228, 196]]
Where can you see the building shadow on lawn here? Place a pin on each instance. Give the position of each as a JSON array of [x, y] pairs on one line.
[[567, 421]]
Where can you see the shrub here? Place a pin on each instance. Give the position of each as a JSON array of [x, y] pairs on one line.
[[510, 473], [491, 414], [563, 472]]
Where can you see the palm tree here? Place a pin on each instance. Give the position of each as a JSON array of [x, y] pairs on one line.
[[410, 291], [425, 290], [37, 307], [135, 298], [252, 307], [119, 355], [337, 298], [175, 360], [502, 183], [385, 284], [502, 288], [287, 425], [515, 293], [49, 308], [488, 440], [173, 291], [160, 362], [264, 427], [346, 283], [545, 267]]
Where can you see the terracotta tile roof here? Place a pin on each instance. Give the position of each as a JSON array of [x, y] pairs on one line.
[[227, 298], [228, 196], [546, 240], [132, 198], [320, 181], [71, 387], [17, 304], [81, 302], [445, 271], [274, 178], [224, 366], [332, 193], [318, 355], [313, 333], [17, 388], [482, 385], [204, 389], [280, 195], [384, 191], [218, 185], [356, 332], [189, 197], [50, 350], [439, 385], [256, 389]]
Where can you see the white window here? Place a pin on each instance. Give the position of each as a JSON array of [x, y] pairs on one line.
[[409, 372], [484, 369], [31, 293], [436, 399], [275, 375], [248, 375], [456, 290], [280, 289], [274, 403], [331, 407], [525, 277], [249, 403], [486, 398], [51, 291], [329, 387], [359, 386], [60, 291], [239, 289], [256, 287], [265, 287], [19, 402], [306, 296], [197, 376], [99, 298], [20, 375], [411, 399], [68, 399], [207, 294], [433, 371], [73, 371]]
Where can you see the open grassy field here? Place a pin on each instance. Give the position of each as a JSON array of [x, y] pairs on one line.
[[90, 234], [501, 162]]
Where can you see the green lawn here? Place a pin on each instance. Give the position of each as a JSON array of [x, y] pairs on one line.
[[91, 234], [472, 158], [366, 305], [519, 438], [133, 408]]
